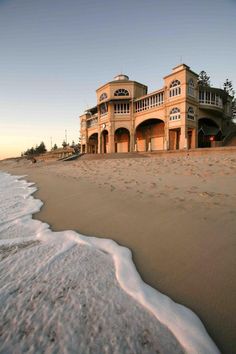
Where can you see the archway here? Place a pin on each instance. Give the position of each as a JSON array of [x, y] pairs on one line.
[[150, 135], [93, 144], [208, 132], [122, 140], [104, 142]]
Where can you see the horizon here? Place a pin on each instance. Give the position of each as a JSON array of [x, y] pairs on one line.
[[55, 55]]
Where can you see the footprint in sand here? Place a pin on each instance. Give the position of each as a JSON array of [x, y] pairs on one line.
[[162, 194], [207, 194], [175, 188], [140, 192], [194, 187], [180, 199]]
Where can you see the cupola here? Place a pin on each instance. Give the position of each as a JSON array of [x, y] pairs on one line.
[[121, 77]]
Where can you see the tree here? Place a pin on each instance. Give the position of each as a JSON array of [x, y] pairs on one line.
[[203, 79], [41, 149], [64, 144], [228, 87], [30, 152], [55, 147]]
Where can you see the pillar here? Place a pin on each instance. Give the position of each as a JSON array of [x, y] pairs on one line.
[[99, 142], [183, 138], [111, 142], [132, 142]]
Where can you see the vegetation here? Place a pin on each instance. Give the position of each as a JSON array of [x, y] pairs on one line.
[[204, 79], [39, 149], [228, 87], [64, 144]]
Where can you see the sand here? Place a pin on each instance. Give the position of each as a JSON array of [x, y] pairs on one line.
[[176, 212]]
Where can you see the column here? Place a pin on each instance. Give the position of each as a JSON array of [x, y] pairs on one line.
[[111, 142], [183, 138], [132, 126], [99, 142], [195, 138]]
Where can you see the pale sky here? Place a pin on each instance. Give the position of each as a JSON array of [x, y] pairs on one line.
[[54, 54]]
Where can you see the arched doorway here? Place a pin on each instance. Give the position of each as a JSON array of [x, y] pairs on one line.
[[104, 142], [150, 135], [93, 144], [208, 132], [122, 140]]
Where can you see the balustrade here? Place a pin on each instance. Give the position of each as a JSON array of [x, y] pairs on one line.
[[149, 102], [208, 97]]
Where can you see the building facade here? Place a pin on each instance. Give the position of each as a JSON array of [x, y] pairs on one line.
[[180, 115]]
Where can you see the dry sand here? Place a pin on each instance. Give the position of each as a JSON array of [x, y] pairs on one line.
[[176, 212]]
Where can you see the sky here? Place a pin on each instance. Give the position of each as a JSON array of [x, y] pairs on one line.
[[54, 54]]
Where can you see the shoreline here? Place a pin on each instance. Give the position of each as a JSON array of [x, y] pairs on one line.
[[176, 241]]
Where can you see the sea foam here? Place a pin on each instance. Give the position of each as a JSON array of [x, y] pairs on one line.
[[36, 263]]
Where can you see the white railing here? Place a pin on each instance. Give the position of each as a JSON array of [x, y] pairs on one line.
[[149, 102], [210, 98]]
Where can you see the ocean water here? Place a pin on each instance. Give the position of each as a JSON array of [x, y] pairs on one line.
[[62, 292]]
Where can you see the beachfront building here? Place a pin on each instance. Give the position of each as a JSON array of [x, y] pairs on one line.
[[180, 115]]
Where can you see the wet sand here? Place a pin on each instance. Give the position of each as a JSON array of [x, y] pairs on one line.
[[176, 212]]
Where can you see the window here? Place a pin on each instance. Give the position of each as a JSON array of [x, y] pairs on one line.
[[190, 114], [103, 96], [175, 88], [103, 108], [121, 108], [191, 87], [121, 92], [175, 114]]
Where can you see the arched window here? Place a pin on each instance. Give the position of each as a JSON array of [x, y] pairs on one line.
[[175, 114], [190, 114], [175, 88], [103, 96], [121, 92], [191, 87]]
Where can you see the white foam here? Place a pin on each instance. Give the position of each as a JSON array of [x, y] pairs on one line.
[[17, 225]]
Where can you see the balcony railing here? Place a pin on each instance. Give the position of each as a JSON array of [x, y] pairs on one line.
[[210, 98], [149, 102], [92, 122]]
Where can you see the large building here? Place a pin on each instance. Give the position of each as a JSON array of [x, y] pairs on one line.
[[180, 115]]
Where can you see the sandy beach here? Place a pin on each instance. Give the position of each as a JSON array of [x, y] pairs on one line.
[[175, 212]]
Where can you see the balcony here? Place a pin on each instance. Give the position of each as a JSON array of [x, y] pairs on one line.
[[93, 121], [209, 99], [149, 101]]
